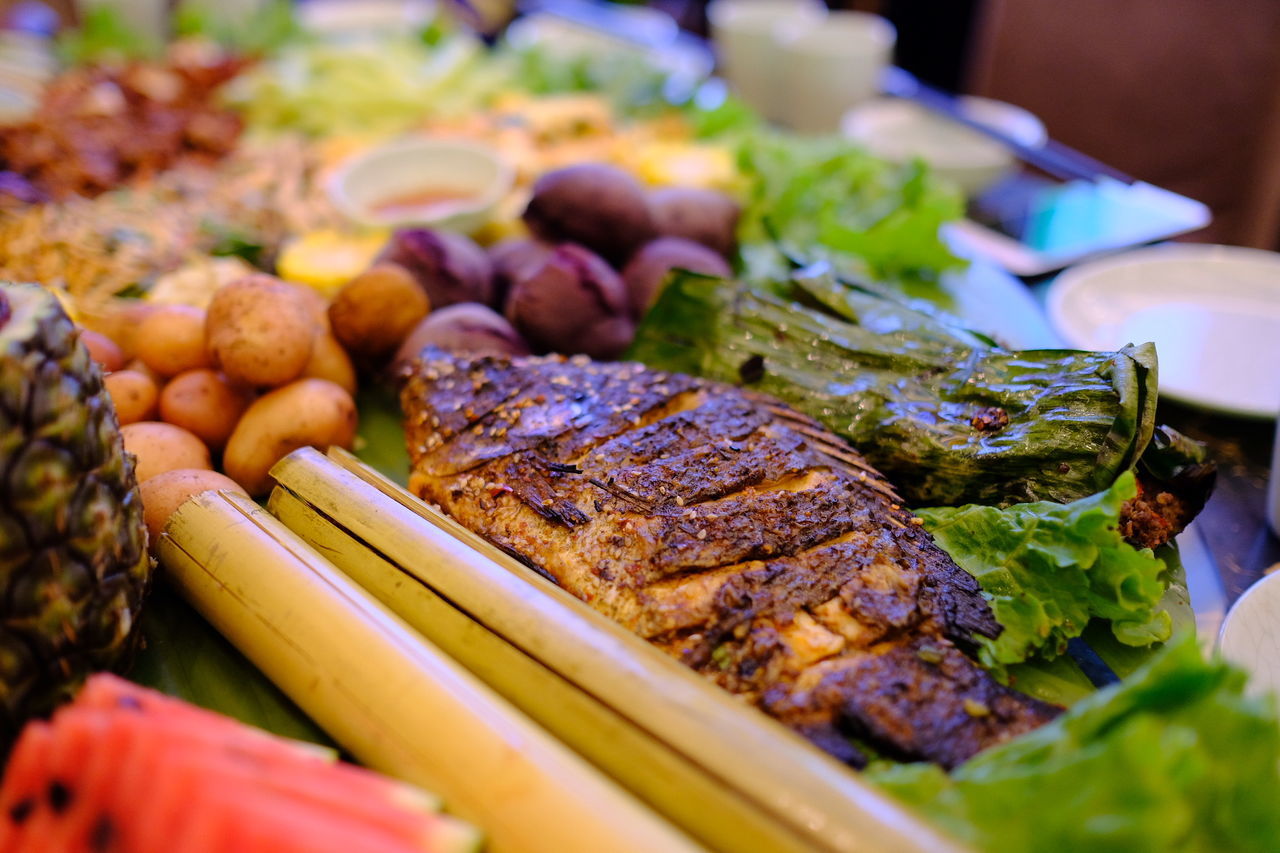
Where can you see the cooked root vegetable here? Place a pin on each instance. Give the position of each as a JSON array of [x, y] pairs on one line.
[[134, 394], [163, 447], [330, 361], [466, 327], [511, 258], [374, 311], [315, 301], [260, 331], [119, 320], [600, 206], [164, 493], [573, 303], [205, 403], [704, 216], [103, 350], [170, 340], [449, 267], [648, 268], [309, 412]]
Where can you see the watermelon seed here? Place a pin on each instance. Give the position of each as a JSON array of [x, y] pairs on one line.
[[103, 833], [59, 796], [22, 810]]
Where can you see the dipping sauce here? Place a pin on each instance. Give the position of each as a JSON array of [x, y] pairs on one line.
[[439, 200]]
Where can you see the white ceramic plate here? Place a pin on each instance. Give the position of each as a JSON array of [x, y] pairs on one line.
[[1212, 311], [1251, 634]]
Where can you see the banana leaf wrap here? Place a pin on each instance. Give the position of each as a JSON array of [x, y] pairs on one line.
[[949, 416]]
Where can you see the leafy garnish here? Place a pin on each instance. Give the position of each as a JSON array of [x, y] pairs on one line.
[[1048, 569], [266, 28], [105, 36], [947, 417], [827, 199], [1174, 758]]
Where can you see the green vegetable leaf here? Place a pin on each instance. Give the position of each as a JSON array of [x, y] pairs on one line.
[[827, 199], [1174, 758], [105, 36], [946, 416], [1048, 569]]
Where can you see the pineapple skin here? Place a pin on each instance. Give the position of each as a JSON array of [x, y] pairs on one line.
[[74, 567]]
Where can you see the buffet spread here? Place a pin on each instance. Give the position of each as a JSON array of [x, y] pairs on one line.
[[578, 453]]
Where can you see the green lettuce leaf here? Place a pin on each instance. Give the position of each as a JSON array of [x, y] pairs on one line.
[[1174, 758], [827, 199], [1049, 568]]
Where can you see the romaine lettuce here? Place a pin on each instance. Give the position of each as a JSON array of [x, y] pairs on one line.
[[1049, 568], [1174, 758], [827, 199]]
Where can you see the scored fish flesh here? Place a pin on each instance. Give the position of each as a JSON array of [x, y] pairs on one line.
[[730, 531]]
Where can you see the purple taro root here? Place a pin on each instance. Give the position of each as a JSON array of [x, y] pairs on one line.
[[592, 204], [572, 303], [511, 258], [648, 269], [703, 216], [465, 328], [450, 267]]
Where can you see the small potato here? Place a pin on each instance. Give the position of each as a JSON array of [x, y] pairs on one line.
[[374, 311], [330, 361], [103, 350], [170, 340], [119, 320], [134, 394], [260, 331], [306, 413], [163, 447], [164, 493], [315, 301], [205, 403]]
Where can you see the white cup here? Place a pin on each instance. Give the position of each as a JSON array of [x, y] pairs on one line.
[[746, 36], [828, 68]]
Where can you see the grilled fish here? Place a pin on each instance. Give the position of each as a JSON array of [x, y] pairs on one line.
[[731, 532]]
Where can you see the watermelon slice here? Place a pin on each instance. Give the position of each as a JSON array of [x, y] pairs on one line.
[[125, 768]]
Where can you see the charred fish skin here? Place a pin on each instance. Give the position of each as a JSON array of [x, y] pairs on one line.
[[728, 533]]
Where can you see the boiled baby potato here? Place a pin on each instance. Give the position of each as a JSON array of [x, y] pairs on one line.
[[330, 361], [103, 350], [316, 303], [162, 447], [260, 331], [374, 311], [164, 493], [205, 403], [134, 394], [305, 413], [170, 340]]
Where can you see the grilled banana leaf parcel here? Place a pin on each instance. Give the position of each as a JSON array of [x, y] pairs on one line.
[[948, 416], [732, 532]]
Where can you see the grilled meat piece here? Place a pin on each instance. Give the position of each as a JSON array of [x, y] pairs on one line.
[[731, 532]]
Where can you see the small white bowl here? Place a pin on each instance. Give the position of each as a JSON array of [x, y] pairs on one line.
[[366, 187], [899, 130]]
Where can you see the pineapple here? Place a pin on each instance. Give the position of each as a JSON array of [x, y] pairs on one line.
[[73, 553]]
